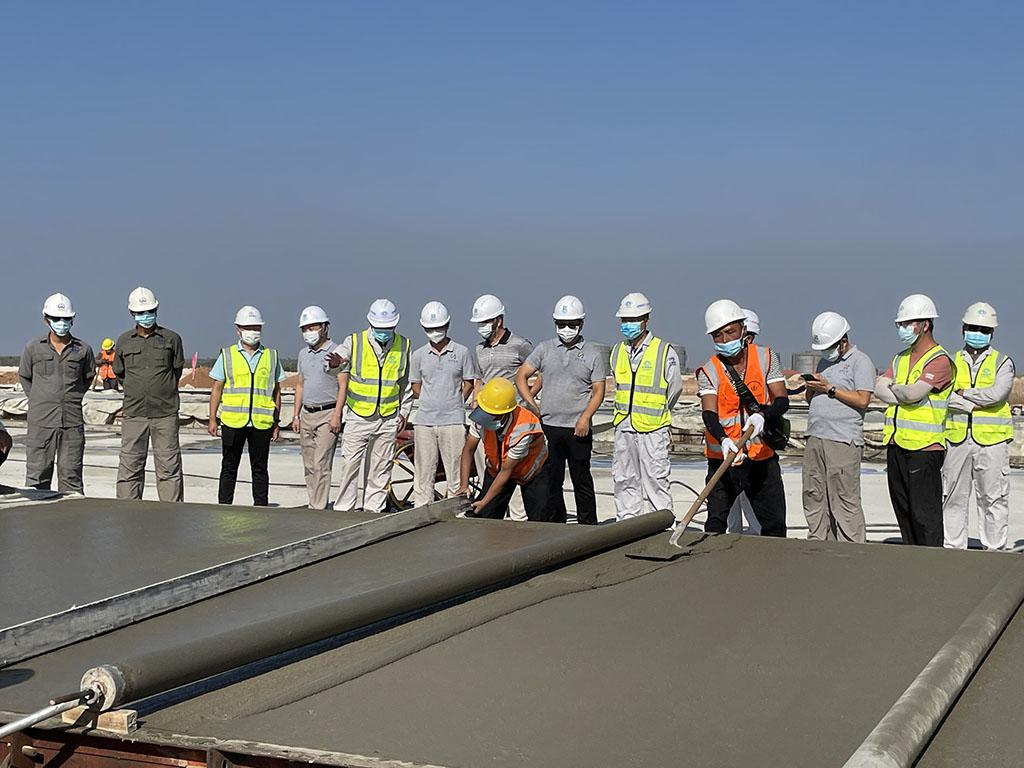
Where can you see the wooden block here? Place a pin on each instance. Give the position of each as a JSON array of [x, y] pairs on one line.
[[119, 721]]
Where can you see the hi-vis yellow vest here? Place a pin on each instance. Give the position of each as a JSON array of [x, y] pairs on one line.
[[248, 394], [642, 396], [986, 426], [923, 423], [373, 387]]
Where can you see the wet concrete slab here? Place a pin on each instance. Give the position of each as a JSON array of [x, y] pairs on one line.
[[743, 651], [79, 550]]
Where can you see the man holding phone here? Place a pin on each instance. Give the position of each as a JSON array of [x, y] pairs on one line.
[[838, 395]]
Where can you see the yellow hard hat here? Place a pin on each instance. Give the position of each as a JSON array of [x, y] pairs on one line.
[[108, 343], [498, 397]]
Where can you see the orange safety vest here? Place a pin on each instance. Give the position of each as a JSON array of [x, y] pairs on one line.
[[106, 364], [730, 410], [523, 423]]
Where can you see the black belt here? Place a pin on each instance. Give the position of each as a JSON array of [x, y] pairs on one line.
[[317, 408]]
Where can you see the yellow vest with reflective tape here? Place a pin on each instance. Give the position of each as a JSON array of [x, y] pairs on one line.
[[642, 395], [919, 424], [373, 386], [986, 426], [248, 395]]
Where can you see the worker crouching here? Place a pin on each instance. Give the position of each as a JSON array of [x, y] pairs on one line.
[[516, 455]]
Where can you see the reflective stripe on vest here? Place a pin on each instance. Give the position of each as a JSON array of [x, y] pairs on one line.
[[923, 423], [523, 423], [730, 409], [373, 387], [248, 395], [642, 395], [986, 426]]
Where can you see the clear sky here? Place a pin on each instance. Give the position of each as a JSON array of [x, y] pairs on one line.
[[794, 156]]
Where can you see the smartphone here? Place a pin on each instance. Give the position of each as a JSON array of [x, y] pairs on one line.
[[808, 376]]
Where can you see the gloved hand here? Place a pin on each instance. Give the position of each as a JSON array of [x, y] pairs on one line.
[[756, 421], [728, 446]]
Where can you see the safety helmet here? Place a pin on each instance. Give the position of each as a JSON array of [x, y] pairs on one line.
[[107, 344], [569, 308], [827, 329], [917, 306], [753, 322], [497, 397], [980, 313], [383, 314], [142, 300], [312, 315], [487, 307], [434, 315], [58, 305], [634, 305], [722, 312], [248, 315]]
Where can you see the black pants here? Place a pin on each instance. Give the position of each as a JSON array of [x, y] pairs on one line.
[[762, 482], [536, 498], [111, 384], [232, 442], [564, 447], [915, 489]]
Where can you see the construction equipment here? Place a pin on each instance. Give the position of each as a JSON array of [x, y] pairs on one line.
[[487, 307], [917, 306], [827, 330], [248, 315], [312, 315], [569, 308], [142, 300], [434, 315], [981, 313], [58, 305], [721, 313], [497, 397], [383, 314], [634, 305]]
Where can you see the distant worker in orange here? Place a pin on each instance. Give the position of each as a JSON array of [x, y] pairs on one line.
[[105, 376]]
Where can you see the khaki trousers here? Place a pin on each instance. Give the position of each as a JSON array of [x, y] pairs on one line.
[[137, 433], [987, 469], [432, 444], [831, 491], [318, 446], [66, 446], [372, 440]]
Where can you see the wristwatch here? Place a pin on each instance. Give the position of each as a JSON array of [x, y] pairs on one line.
[[832, 393]]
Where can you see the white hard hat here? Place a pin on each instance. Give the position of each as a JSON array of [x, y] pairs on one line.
[[827, 329], [58, 305], [569, 308], [980, 313], [753, 322], [917, 306], [634, 305], [487, 307], [313, 314], [722, 312], [383, 314], [142, 300], [248, 315], [434, 315]]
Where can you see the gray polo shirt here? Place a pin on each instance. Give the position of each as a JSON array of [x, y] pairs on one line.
[[504, 358], [569, 374], [440, 376], [829, 419], [55, 384], [319, 386]]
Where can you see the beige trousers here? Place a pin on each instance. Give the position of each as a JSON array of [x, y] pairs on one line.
[[137, 434], [367, 449], [831, 491], [433, 444], [318, 446]]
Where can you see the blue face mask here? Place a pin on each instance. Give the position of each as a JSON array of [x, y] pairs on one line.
[[907, 334], [60, 326], [632, 329], [145, 319], [383, 335], [977, 339], [730, 348], [486, 420]]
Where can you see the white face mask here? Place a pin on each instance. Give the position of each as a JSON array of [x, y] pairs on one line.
[[485, 329], [311, 337], [436, 335], [831, 355], [569, 333], [252, 338]]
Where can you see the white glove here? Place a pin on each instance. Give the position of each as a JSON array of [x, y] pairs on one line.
[[728, 446], [756, 421]]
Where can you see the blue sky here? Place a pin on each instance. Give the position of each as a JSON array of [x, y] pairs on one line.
[[794, 156]]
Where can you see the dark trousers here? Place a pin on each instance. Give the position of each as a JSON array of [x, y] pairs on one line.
[[565, 448], [915, 489], [536, 498], [762, 482], [232, 442]]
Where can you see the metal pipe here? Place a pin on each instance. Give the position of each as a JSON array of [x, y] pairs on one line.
[[57, 705]]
